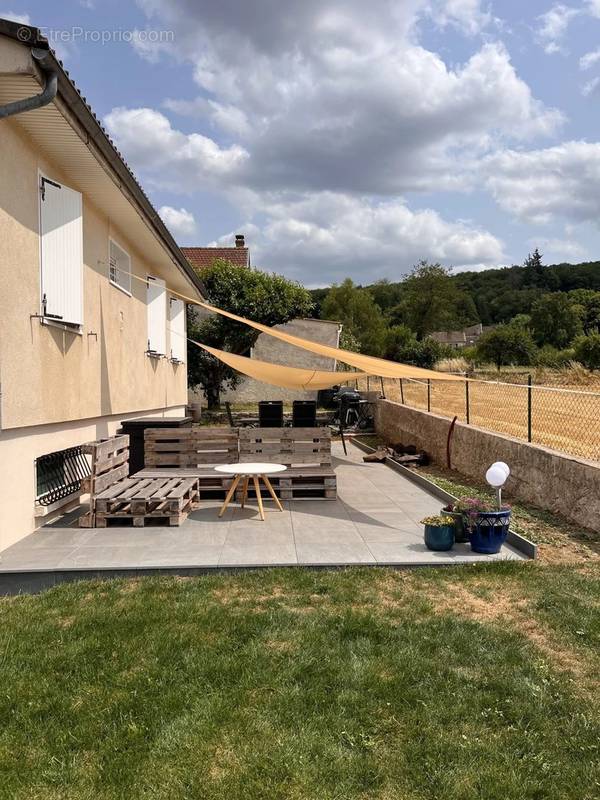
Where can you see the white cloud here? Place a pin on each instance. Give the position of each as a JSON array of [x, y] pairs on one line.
[[323, 237], [590, 87], [557, 250], [554, 25], [589, 59], [179, 221], [172, 159], [540, 186], [14, 16], [466, 15], [593, 7]]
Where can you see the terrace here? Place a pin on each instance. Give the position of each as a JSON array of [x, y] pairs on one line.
[[373, 521]]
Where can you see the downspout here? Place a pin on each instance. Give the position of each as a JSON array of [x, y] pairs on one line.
[[38, 100]]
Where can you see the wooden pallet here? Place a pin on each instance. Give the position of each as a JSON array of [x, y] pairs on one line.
[[109, 463], [306, 452], [147, 500], [194, 451]]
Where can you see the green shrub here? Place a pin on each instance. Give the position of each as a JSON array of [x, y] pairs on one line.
[[587, 350], [553, 358]]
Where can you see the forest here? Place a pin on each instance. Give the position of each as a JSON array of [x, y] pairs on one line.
[[547, 315]]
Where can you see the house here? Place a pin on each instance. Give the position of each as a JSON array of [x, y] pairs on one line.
[[467, 337], [90, 335], [202, 257]]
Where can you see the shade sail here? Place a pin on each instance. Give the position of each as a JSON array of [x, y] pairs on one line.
[[367, 364], [278, 375]]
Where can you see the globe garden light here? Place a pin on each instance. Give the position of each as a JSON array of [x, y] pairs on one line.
[[502, 465], [496, 476]]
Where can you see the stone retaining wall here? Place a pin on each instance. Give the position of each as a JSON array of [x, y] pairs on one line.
[[548, 479]]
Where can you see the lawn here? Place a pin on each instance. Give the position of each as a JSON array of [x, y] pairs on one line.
[[475, 682]]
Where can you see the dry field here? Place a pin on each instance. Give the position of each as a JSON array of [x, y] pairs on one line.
[[565, 418]]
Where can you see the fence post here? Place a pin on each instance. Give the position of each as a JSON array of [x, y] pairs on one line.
[[368, 383], [428, 394], [467, 403], [401, 391], [382, 387], [529, 404]]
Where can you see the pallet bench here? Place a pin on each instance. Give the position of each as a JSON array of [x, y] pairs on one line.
[[115, 496], [306, 452], [191, 452]]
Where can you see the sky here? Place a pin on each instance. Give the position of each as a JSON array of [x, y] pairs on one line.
[[350, 139]]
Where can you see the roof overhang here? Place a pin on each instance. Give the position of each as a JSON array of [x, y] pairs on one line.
[[71, 137]]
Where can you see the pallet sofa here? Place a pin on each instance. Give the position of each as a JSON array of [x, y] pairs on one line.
[[115, 496], [306, 452], [179, 470]]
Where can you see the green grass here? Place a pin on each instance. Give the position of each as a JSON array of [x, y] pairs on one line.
[[455, 684]]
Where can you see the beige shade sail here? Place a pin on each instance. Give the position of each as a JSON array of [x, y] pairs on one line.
[[368, 364], [278, 375]]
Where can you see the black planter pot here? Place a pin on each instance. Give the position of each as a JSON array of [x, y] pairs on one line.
[[460, 531]]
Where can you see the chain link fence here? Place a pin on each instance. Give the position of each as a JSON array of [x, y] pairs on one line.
[[563, 419]]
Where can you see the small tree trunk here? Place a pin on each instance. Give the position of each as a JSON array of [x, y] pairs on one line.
[[213, 389]]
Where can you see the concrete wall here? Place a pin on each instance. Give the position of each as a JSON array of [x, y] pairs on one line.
[[49, 375], [277, 352], [20, 447], [553, 481]]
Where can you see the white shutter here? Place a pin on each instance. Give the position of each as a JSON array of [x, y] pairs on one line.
[[61, 252], [157, 315], [177, 329], [119, 271]]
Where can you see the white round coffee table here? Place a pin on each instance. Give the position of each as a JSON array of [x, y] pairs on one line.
[[256, 471]]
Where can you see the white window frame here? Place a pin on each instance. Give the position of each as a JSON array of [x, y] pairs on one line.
[[116, 284], [65, 325]]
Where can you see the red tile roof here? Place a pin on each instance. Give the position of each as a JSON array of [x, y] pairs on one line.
[[201, 257]]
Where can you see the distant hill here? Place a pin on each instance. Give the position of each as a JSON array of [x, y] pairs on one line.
[[498, 294]]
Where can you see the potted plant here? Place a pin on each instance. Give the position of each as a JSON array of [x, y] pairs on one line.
[[439, 532], [460, 532], [486, 523]]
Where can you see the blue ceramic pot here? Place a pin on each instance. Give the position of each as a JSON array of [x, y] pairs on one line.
[[489, 532], [439, 537]]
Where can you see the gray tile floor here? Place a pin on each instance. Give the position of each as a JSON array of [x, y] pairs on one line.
[[374, 521]]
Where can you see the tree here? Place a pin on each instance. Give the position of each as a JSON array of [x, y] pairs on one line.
[[360, 315], [262, 297], [403, 346], [432, 301], [587, 350], [587, 304], [506, 344], [555, 320]]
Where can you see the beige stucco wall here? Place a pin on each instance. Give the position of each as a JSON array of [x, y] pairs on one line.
[[48, 375], [551, 480], [21, 446]]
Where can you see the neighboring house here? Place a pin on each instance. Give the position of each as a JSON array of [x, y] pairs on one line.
[[83, 344], [463, 338], [201, 257]]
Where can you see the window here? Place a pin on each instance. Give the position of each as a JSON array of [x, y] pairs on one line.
[[61, 253], [157, 316], [177, 329], [119, 270]]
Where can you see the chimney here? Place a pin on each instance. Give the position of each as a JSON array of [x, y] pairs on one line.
[[239, 240]]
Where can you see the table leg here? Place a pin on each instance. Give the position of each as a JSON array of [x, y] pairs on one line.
[[245, 490], [258, 496], [272, 491], [232, 489]]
